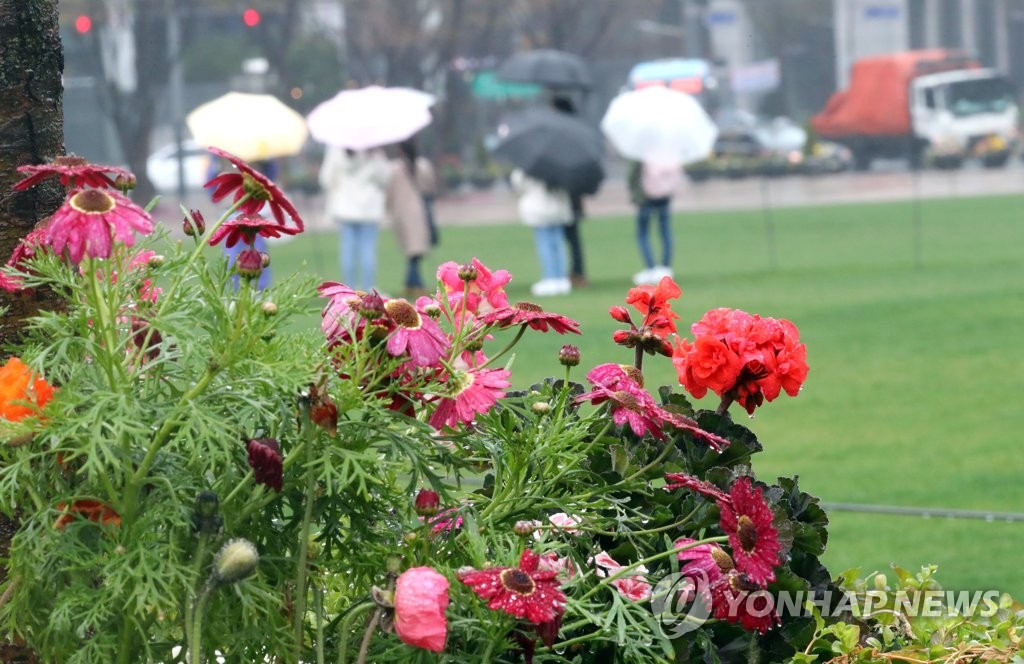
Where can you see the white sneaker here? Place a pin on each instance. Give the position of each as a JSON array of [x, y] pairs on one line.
[[544, 287], [644, 277], [562, 287], [659, 273]]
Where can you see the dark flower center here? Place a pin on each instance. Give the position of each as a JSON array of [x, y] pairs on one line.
[[628, 401], [403, 314], [529, 306], [70, 160], [743, 583], [747, 533], [255, 188], [517, 581], [93, 201], [634, 374], [722, 559]]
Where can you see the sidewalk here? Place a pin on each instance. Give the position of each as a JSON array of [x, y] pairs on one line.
[[498, 205]]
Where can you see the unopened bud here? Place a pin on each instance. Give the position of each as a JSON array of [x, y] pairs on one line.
[[371, 306], [626, 338], [468, 272], [156, 260], [569, 355], [525, 528], [269, 308], [206, 518], [541, 407], [473, 345], [125, 183], [432, 310], [881, 583], [194, 224], [249, 264], [427, 502], [393, 564], [620, 314], [236, 560]]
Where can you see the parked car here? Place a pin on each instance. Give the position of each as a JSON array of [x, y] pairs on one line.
[[162, 166]]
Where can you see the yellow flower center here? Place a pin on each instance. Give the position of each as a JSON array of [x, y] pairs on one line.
[[403, 314], [529, 306], [93, 201], [722, 559], [628, 401], [747, 533], [635, 374], [69, 160]]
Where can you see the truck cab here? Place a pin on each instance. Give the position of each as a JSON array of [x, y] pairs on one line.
[[963, 107]]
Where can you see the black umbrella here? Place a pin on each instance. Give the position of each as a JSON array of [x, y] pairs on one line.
[[556, 69], [554, 148]]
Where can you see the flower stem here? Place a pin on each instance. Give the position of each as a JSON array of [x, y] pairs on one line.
[[343, 629], [302, 564], [511, 344], [197, 564], [638, 358], [104, 324], [727, 400], [318, 598], [371, 627], [657, 460], [195, 652]]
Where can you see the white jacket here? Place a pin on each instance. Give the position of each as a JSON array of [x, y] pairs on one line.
[[540, 205], [355, 184]]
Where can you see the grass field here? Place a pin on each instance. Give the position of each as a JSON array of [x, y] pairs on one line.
[[914, 394]]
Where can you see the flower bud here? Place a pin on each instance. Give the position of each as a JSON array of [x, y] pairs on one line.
[[371, 306], [473, 345], [626, 338], [155, 261], [269, 308], [194, 224], [206, 518], [125, 183], [541, 407], [620, 314], [525, 528], [249, 264], [427, 502], [569, 355], [881, 583], [393, 564], [433, 311], [265, 259], [468, 272], [236, 560]]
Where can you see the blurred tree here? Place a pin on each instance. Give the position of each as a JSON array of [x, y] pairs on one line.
[[31, 132]]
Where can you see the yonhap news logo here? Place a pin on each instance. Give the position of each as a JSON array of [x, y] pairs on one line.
[[683, 602]]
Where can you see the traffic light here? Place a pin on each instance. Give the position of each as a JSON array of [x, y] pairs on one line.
[[251, 17], [83, 24]]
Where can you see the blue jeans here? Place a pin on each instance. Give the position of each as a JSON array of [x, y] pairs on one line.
[[551, 251], [659, 206], [359, 254]]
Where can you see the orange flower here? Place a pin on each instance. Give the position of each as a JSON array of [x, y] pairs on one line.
[[22, 393], [93, 510]]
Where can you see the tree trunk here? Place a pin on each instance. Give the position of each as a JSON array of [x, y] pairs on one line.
[[31, 132]]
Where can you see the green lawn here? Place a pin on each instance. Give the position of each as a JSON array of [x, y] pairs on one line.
[[916, 372]]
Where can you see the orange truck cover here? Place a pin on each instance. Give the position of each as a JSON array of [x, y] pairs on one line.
[[876, 103]]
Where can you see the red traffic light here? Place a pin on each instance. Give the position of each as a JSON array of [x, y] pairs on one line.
[[251, 17], [83, 24]]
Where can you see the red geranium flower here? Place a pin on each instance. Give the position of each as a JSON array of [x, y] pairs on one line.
[[22, 391], [91, 219], [260, 188], [421, 599], [653, 303], [747, 519], [736, 598], [265, 460], [706, 363], [523, 592], [73, 171], [528, 313], [415, 333], [473, 391], [246, 228]]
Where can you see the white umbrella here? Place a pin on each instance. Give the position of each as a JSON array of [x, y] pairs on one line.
[[659, 124], [370, 117], [253, 127]]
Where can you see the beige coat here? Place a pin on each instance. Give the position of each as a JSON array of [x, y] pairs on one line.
[[405, 212]]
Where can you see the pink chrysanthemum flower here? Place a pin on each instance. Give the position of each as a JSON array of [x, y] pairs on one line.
[[634, 407], [471, 392], [416, 334], [246, 228], [25, 250], [73, 171], [528, 313], [522, 592], [705, 566], [421, 599], [473, 289], [260, 188], [91, 219], [616, 377], [683, 481], [445, 521], [341, 315], [748, 521]]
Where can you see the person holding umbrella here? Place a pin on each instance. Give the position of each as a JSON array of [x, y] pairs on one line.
[[577, 275], [547, 210], [407, 213], [651, 187], [355, 183]]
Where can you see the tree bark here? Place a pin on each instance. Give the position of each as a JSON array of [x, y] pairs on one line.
[[31, 132]]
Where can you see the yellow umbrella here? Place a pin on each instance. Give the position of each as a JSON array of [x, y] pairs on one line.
[[253, 127]]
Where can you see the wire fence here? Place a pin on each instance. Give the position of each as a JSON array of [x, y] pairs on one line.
[[926, 512]]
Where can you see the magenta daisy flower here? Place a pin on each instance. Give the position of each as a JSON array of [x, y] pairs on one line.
[[246, 228], [473, 288], [634, 407], [342, 311], [705, 565], [522, 592], [91, 219], [416, 334], [747, 519], [73, 171], [528, 313], [683, 481], [260, 188], [616, 376], [471, 392], [736, 598], [25, 250]]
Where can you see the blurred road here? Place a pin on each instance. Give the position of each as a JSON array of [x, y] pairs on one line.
[[498, 205]]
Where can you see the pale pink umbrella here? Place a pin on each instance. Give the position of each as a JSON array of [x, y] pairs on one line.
[[370, 117]]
